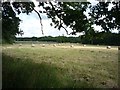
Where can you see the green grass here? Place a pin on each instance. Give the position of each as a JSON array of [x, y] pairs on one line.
[[41, 67]]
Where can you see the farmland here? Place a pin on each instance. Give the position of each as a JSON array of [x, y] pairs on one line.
[[59, 66]]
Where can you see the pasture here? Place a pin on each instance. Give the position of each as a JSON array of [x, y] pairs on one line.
[[59, 66]]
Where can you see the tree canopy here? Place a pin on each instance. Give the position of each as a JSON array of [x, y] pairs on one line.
[[107, 18], [63, 14]]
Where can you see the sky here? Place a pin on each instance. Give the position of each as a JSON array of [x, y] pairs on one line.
[[31, 26]]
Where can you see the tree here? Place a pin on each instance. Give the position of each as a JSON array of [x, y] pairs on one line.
[[0, 31], [63, 14], [60, 13], [68, 14], [10, 23], [107, 18]]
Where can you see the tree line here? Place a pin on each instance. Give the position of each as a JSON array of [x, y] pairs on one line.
[[101, 38]]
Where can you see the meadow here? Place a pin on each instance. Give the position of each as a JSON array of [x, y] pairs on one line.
[[59, 66]]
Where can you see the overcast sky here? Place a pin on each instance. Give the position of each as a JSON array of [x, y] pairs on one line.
[[31, 26]]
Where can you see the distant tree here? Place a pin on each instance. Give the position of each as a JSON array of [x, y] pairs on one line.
[[34, 38]]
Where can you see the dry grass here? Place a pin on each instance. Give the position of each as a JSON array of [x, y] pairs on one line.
[[60, 66]]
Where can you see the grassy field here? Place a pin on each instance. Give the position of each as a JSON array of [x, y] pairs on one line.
[[59, 67]]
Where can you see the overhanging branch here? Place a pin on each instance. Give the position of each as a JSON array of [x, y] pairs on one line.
[[40, 20], [65, 30], [59, 17]]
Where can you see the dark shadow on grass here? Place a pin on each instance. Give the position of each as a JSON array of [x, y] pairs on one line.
[[21, 73], [26, 74]]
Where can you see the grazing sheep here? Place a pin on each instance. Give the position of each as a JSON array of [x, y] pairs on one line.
[[43, 45], [33, 45], [9, 47], [84, 45], [71, 45], [54, 45], [59, 44], [20, 44], [97, 44], [108, 47]]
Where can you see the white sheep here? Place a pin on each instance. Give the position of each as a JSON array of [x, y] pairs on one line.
[[43, 45], [98, 45], [71, 45], [33, 45], [9, 47], [84, 45], [108, 47], [54, 45], [20, 44]]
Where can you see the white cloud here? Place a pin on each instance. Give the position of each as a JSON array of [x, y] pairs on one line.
[[31, 26], [93, 2]]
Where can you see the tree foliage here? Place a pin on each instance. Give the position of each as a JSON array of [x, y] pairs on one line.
[[107, 18], [99, 38], [68, 14], [10, 23], [63, 15]]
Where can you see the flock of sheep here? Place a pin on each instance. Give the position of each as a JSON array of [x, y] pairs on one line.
[[55, 45]]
